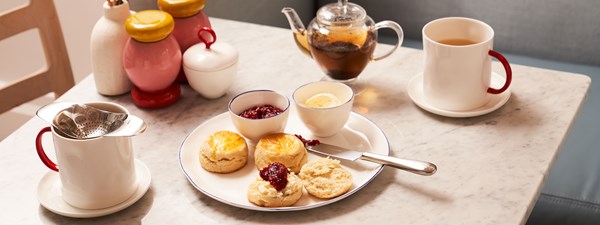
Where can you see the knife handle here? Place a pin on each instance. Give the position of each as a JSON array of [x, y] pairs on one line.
[[413, 166]]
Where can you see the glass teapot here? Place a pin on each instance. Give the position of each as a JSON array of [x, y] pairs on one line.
[[341, 38]]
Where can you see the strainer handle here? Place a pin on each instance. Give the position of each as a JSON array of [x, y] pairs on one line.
[[40, 150]]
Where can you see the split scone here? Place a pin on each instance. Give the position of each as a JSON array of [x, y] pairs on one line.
[[325, 178], [281, 147], [223, 152], [275, 187]]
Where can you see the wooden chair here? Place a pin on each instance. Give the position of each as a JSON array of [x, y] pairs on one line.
[[57, 75]]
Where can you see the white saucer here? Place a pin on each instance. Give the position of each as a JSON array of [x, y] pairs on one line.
[[415, 92], [50, 196]]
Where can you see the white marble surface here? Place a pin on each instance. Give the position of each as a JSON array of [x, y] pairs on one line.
[[491, 168]]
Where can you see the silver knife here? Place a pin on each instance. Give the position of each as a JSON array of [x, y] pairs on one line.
[[413, 166]]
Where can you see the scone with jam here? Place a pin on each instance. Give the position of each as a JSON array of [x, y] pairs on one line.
[[275, 187], [223, 152]]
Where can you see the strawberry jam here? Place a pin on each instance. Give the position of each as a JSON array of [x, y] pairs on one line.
[[261, 112], [276, 174], [306, 142]]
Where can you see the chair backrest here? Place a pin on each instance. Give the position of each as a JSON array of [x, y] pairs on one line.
[[57, 75]]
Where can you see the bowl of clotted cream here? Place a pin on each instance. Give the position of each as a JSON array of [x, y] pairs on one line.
[[324, 106]]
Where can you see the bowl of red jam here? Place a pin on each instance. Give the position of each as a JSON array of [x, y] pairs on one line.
[[259, 112]]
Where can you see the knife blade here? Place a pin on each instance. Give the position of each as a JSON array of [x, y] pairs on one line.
[[413, 166]]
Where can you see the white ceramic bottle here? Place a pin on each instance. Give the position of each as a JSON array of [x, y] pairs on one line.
[[107, 42]]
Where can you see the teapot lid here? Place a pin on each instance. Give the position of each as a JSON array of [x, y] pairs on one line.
[[341, 12]]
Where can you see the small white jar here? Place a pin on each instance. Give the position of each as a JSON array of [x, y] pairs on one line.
[[210, 71]]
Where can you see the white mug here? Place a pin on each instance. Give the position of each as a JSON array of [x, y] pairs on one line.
[[458, 69], [94, 173]]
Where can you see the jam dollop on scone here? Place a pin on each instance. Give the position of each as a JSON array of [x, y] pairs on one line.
[[276, 186], [223, 152], [283, 148], [325, 178]]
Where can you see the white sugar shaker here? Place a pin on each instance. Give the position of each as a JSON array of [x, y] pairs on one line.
[[106, 46]]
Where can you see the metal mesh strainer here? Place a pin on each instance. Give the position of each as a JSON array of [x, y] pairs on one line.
[[80, 121]]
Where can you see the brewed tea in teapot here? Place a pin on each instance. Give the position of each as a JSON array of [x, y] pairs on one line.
[[341, 39]]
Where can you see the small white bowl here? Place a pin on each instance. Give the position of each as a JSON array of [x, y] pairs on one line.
[[210, 71], [324, 122], [254, 129]]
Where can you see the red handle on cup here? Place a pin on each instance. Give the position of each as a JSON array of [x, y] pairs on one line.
[[40, 150], [506, 68]]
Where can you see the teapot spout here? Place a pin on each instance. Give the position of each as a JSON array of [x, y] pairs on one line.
[[295, 22], [297, 27]]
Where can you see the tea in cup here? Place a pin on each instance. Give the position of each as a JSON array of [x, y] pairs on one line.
[[458, 57], [95, 173]]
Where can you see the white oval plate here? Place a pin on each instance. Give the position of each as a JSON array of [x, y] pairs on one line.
[[359, 133]]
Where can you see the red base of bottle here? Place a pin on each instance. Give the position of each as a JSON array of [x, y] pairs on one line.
[[156, 99]]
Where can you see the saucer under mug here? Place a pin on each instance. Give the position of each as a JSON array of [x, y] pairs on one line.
[[415, 92]]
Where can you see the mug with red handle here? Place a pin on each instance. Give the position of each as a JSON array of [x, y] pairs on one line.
[[458, 64], [94, 173]]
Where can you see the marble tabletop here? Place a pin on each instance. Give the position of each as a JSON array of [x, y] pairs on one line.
[[491, 168]]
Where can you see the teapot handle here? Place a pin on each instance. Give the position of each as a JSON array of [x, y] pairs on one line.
[[394, 26]]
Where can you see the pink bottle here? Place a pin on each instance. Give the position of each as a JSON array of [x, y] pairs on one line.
[[189, 18], [152, 59]]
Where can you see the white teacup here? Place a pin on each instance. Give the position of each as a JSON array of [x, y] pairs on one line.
[[95, 173], [458, 70], [327, 121]]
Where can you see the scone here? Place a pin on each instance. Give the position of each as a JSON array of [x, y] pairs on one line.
[[283, 148], [223, 152], [325, 178], [263, 193]]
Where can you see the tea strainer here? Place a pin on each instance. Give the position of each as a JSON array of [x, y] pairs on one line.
[[81, 121]]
